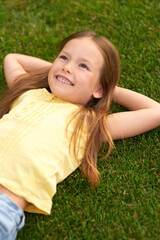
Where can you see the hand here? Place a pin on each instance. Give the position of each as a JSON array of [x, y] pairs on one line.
[[144, 114], [16, 65]]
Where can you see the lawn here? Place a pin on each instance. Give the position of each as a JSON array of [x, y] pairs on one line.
[[125, 205]]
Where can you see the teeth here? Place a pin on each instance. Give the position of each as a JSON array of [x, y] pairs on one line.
[[64, 80]]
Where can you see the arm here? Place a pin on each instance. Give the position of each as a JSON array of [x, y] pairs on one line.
[[17, 64], [143, 116]]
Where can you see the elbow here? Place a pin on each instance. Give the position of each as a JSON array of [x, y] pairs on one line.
[[156, 114]]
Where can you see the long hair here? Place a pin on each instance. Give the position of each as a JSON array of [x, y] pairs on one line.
[[95, 112], [23, 83]]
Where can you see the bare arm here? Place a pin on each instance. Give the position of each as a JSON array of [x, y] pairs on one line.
[[143, 116], [17, 64]]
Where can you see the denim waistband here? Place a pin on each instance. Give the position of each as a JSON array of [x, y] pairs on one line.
[[12, 218]]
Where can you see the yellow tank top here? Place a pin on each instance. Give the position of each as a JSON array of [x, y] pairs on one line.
[[34, 147]]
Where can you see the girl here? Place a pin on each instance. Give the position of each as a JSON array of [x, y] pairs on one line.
[[55, 117]]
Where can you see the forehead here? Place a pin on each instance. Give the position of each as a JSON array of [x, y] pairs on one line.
[[84, 48]]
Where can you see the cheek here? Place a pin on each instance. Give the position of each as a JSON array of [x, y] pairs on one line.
[[55, 66], [51, 75]]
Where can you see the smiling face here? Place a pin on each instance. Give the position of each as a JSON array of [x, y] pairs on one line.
[[75, 73]]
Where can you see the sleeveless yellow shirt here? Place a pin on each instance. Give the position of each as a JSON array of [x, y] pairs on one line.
[[34, 147]]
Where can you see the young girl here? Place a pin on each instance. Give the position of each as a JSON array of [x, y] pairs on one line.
[[55, 117]]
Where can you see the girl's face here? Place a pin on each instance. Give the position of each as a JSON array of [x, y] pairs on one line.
[[75, 73]]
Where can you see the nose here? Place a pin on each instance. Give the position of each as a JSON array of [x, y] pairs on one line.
[[68, 67]]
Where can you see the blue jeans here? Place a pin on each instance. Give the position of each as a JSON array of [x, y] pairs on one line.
[[12, 218]]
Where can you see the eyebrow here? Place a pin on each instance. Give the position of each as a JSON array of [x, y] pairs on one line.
[[62, 51], [80, 59], [85, 60]]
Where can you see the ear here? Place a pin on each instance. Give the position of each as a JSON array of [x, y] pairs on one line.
[[98, 93]]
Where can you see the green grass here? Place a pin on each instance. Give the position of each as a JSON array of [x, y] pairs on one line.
[[125, 205]]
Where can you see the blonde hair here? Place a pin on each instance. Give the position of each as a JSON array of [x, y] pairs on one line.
[[95, 112]]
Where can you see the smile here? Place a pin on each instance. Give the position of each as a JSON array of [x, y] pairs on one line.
[[64, 80]]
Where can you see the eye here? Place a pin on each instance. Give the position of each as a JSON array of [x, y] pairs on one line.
[[63, 57], [84, 66]]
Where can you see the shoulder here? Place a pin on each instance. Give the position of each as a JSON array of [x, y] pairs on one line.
[[33, 95]]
